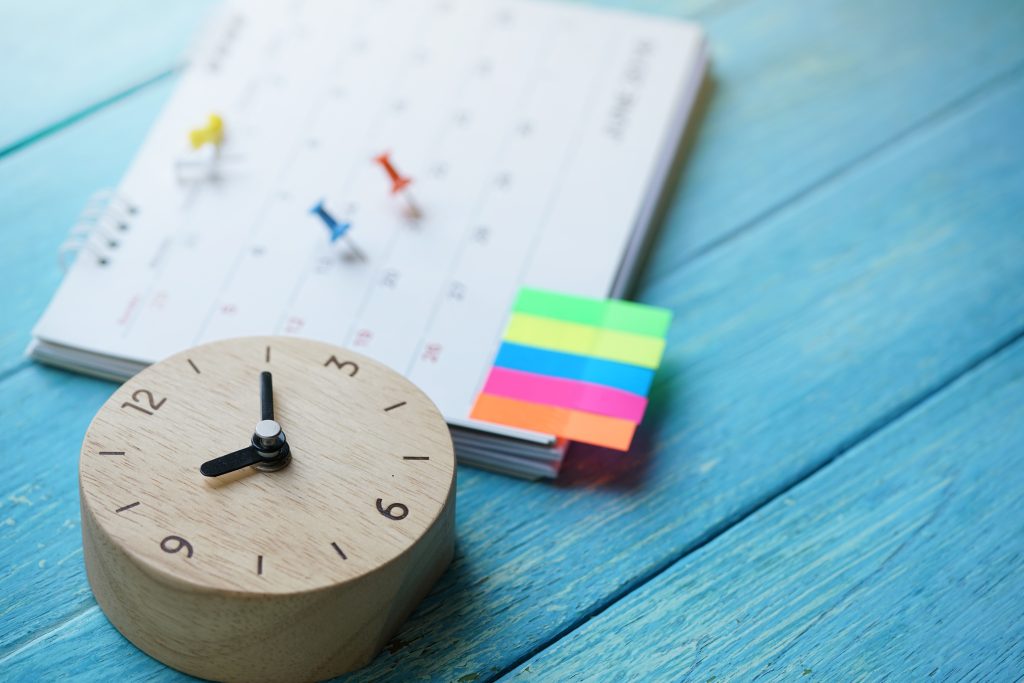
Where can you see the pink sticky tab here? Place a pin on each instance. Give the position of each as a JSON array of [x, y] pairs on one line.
[[566, 393]]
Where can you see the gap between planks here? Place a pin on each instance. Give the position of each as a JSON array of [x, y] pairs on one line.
[[30, 641], [943, 113], [86, 112], [23, 364], [871, 430], [883, 422], [715, 7], [935, 118]]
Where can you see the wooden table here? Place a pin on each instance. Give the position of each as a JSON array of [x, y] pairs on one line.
[[830, 482]]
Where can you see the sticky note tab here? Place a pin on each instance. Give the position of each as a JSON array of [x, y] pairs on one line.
[[584, 340], [624, 316], [570, 424], [629, 378], [565, 393], [575, 367]]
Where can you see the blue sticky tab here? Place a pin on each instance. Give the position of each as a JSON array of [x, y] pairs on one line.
[[632, 378]]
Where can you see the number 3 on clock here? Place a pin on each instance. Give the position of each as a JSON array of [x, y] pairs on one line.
[[150, 399]]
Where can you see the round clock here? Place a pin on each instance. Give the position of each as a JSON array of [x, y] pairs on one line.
[[265, 508]]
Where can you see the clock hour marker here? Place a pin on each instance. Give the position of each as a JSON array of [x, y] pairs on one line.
[[207, 549], [175, 544], [333, 360]]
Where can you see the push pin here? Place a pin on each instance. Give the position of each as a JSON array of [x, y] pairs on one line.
[[399, 184], [211, 135], [337, 229]]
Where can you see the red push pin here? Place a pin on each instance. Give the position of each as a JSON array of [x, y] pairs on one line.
[[399, 183]]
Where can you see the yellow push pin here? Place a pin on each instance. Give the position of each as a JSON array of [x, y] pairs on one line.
[[210, 134]]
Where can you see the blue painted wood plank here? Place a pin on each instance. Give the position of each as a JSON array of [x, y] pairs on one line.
[[902, 561], [795, 341], [61, 57], [43, 188], [784, 114], [804, 90], [41, 572], [42, 191]]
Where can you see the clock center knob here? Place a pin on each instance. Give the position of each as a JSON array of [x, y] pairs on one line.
[[270, 443], [266, 434]]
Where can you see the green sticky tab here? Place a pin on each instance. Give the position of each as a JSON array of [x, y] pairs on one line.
[[611, 314], [629, 316]]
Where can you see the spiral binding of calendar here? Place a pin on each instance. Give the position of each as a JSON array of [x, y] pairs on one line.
[[99, 229]]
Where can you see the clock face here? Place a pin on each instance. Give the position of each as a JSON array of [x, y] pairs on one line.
[[371, 467]]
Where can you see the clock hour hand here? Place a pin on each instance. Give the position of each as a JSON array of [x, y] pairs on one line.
[[232, 461], [269, 451]]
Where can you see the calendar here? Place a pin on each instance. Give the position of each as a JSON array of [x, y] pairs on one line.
[[536, 136]]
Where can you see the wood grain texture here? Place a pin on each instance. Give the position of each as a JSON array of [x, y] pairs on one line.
[[794, 342], [40, 525], [61, 58], [901, 561], [791, 342], [783, 115], [801, 91], [297, 574], [42, 191], [63, 61]]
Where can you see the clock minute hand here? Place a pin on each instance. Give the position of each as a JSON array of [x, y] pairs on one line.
[[266, 396], [268, 439]]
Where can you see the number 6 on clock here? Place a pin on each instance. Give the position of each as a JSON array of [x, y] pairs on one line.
[[403, 511]]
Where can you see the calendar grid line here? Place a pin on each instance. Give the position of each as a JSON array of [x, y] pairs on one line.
[[367, 295], [192, 191], [527, 127], [593, 92], [530, 85], [354, 171], [297, 149]]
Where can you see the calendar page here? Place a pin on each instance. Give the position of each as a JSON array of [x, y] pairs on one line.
[[535, 135]]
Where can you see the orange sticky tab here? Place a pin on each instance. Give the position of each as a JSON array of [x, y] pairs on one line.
[[599, 430]]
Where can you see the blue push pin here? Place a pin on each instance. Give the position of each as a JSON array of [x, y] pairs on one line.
[[338, 230]]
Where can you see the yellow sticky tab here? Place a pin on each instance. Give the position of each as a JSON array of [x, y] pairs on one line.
[[584, 340], [210, 134]]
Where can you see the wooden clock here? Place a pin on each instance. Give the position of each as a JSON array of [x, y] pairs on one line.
[[266, 509]]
